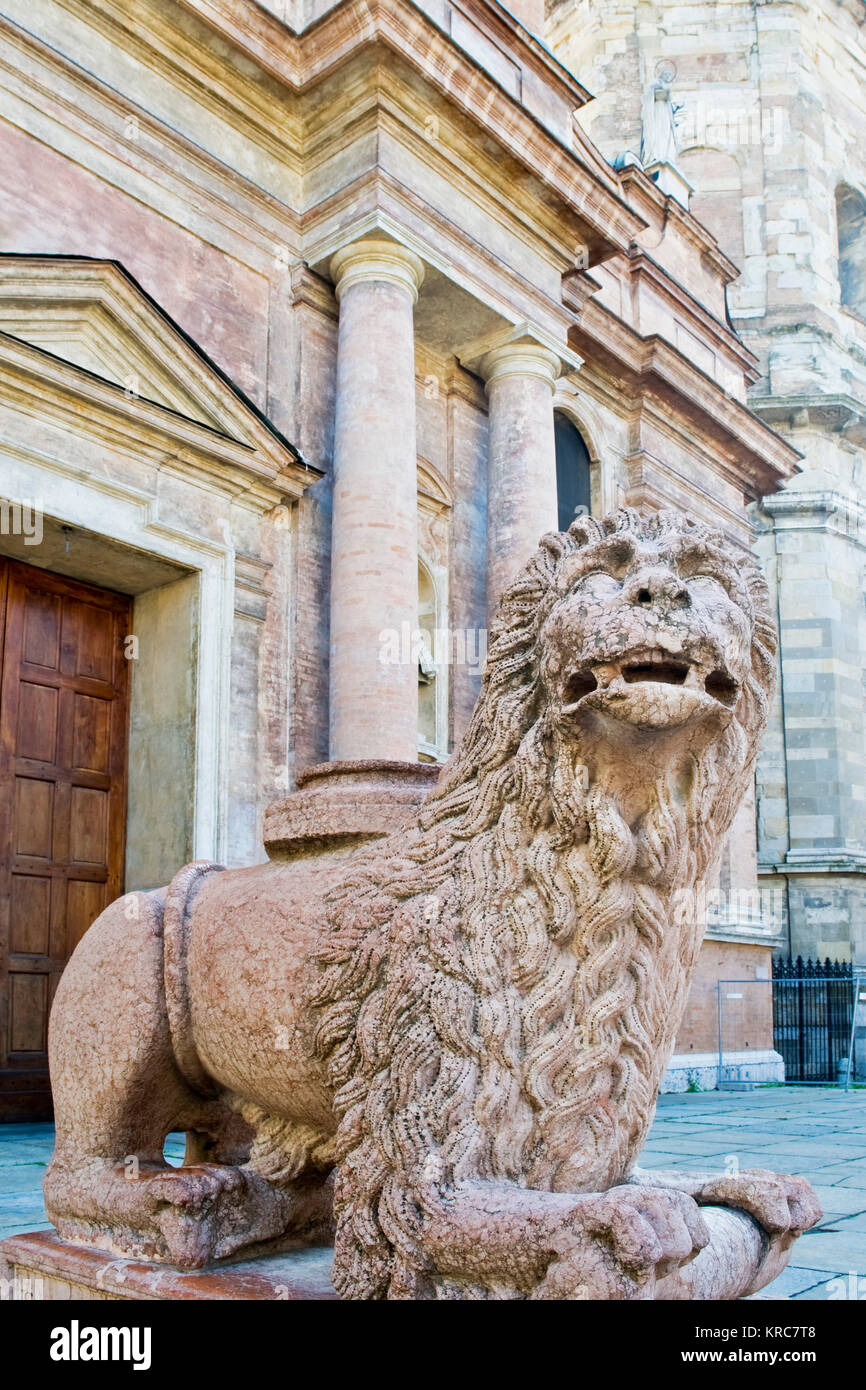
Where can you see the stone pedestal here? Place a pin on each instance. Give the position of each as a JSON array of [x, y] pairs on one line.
[[344, 803], [41, 1267]]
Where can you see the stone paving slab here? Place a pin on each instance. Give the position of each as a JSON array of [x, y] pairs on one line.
[[22, 1177], [836, 1174], [841, 1201], [837, 1250], [817, 1132], [793, 1282]]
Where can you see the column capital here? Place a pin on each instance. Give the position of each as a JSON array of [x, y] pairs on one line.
[[383, 261], [521, 359], [519, 349]]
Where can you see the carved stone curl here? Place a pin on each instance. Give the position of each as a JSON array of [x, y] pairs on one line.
[[445, 1046]]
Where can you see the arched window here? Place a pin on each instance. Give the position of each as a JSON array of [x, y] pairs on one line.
[[851, 233], [572, 470]]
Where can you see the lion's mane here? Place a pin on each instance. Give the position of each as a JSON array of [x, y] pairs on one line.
[[502, 981]]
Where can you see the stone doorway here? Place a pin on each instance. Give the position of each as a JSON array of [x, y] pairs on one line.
[[64, 684]]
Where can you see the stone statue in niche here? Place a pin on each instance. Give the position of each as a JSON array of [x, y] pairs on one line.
[[442, 1048]]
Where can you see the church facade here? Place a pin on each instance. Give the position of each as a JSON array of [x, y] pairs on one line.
[[312, 320], [770, 104]]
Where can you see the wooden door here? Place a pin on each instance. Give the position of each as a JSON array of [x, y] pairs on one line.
[[63, 740]]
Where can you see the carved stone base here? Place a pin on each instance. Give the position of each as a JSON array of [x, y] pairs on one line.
[[346, 803], [41, 1267]]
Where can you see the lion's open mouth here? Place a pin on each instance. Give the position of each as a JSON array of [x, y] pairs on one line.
[[654, 666]]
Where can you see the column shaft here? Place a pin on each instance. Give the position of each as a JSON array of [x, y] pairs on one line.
[[374, 567], [521, 479]]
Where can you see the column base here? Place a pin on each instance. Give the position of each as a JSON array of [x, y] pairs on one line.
[[342, 804]]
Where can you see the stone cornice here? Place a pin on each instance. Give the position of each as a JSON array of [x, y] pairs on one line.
[[640, 189], [147, 29], [577, 175], [135, 140], [587, 190], [837, 412], [275, 44], [821, 861], [746, 934], [763, 458], [46, 387], [800, 509], [643, 266]]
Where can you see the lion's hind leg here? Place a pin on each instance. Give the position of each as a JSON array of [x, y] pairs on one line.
[[117, 1090], [118, 1093]]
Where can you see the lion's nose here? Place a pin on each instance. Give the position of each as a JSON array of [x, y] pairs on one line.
[[652, 585]]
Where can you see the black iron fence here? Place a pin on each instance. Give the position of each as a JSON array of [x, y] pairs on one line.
[[813, 1005]]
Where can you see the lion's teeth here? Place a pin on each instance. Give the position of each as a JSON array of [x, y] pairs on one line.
[[605, 673]]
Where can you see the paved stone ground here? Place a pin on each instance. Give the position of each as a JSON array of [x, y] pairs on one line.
[[819, 1133], [816, 1132]]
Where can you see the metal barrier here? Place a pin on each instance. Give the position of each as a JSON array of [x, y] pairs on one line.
[[807, 1014], [813, 1010]]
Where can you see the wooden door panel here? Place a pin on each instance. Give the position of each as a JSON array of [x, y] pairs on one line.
[[41, 636], [30, 915], [32, 831], [36, 724], [28, 1014], [85, 899], [91, 734], [88, 827], [63, 735]]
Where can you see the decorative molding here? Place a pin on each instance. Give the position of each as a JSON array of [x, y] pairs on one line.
[[523, 360], [67, 328], [801, 509], [835, 412], [434, 494], [832, 860], [521, 348], [759, 458]]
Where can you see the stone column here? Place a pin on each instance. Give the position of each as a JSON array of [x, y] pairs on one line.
[[374, 553], [521, 467]]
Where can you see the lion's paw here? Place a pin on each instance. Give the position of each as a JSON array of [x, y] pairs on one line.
[[619, 1242], [779, 1202], [195, 1209]]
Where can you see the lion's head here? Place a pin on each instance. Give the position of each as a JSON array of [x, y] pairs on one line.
[[616, 631], [503, 981]]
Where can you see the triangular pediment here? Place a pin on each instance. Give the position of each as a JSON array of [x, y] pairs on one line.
[[92, 317]]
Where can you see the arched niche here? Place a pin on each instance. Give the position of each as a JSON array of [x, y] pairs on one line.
[[717, 200]]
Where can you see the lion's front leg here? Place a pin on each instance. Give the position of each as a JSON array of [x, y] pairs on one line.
[[540, 1245]]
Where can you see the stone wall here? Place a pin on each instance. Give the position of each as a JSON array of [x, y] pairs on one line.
[[771, 108]]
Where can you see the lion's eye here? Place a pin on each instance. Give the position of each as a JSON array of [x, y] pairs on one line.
[[600, 582], [707, 582]]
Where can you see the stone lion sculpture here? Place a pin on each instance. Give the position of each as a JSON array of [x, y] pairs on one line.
[[443, 1049]]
